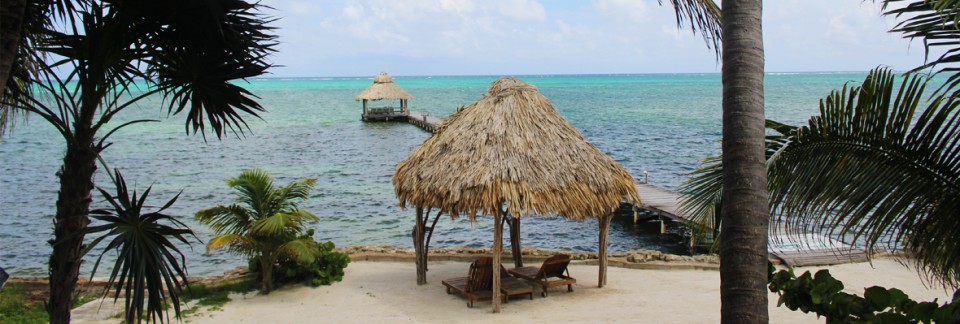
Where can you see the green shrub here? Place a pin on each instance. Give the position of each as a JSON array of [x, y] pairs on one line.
[[325, 270], [822, 294]]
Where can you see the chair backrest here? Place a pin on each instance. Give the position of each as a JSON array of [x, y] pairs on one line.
[[554, 266], [480, 276]]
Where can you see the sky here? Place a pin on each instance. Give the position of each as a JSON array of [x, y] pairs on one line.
[[531, 37]]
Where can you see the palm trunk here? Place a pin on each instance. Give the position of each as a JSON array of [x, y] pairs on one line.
[[266, 268], [73, 205], [73, 200], [743, 245]]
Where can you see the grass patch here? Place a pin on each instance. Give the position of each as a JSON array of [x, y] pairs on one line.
[[215, 297], [22, 302], [16, 306]]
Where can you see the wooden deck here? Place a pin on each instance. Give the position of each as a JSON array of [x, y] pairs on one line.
[[427, 123], [794, 250]]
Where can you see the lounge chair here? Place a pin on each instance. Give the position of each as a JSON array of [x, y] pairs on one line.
[[552, 273], [478, 284]]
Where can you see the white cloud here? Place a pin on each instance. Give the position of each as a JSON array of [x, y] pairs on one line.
[[631, 12], [523, 10], [360, 37]]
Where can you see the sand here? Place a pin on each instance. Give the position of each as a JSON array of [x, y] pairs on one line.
[[386, 292]]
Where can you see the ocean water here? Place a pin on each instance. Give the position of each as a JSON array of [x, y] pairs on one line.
[[660, 123]]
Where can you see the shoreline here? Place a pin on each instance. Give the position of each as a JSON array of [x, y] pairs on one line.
[[387, 290], [633, 259]]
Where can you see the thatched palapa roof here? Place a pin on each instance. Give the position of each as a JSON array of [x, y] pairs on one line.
[[512, 147], [384, 88]]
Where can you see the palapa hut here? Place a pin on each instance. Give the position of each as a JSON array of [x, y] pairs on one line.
[[509, 155], [383, 88]]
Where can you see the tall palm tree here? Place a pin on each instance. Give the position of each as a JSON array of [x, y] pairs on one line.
[[868, 173], [743, 245], [264, 223], [188, 51], [743, 248]]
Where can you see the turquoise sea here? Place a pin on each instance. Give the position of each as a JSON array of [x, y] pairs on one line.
[[660, 123]]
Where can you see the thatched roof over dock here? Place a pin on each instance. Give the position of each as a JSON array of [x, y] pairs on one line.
[[384, 88], [512, 147]]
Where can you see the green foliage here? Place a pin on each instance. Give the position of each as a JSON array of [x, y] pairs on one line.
[[937, 23], [326, 269], [16, 308], [265, 223], [217, 296], [875, 164], [147, 261], [823, 295]]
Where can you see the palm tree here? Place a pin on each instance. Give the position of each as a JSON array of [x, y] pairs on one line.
[[878, 165], [867, 173], [188, 51], [265, 222], [743, 246], [743, 249]]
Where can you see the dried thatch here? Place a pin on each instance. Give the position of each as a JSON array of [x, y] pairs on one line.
[[512, 147], [384, 88]]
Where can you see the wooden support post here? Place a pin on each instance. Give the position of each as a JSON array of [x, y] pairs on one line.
[[419, 248], [497, 250], [663, 223], [604, 230], [515, 248]]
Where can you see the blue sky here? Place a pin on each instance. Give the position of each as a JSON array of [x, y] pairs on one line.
[[517, 37]]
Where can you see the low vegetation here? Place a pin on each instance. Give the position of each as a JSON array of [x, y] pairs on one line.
[[215, 296], [21, 302], [822, 294], [266, 225], [326, 269]]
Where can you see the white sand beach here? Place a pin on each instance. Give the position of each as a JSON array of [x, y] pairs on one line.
[[386, 292]]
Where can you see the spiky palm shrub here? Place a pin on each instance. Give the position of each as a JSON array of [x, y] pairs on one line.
[[265, 222], [147, 260]]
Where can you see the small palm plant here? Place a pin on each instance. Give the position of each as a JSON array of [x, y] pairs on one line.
[[147, 259], [264, 223]]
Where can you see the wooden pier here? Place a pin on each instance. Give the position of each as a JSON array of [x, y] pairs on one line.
[[427, 123], [794, 250]]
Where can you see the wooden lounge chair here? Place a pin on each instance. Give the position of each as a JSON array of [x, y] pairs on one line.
[[552, 273], [478, 284]]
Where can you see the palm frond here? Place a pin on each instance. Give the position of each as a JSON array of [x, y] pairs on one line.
[[937, 23], [226, 219], [256, 190], [303, 250], [203, 48], [149, 267], [278, 224], [861, 168], [702, 16], [234, 242]]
